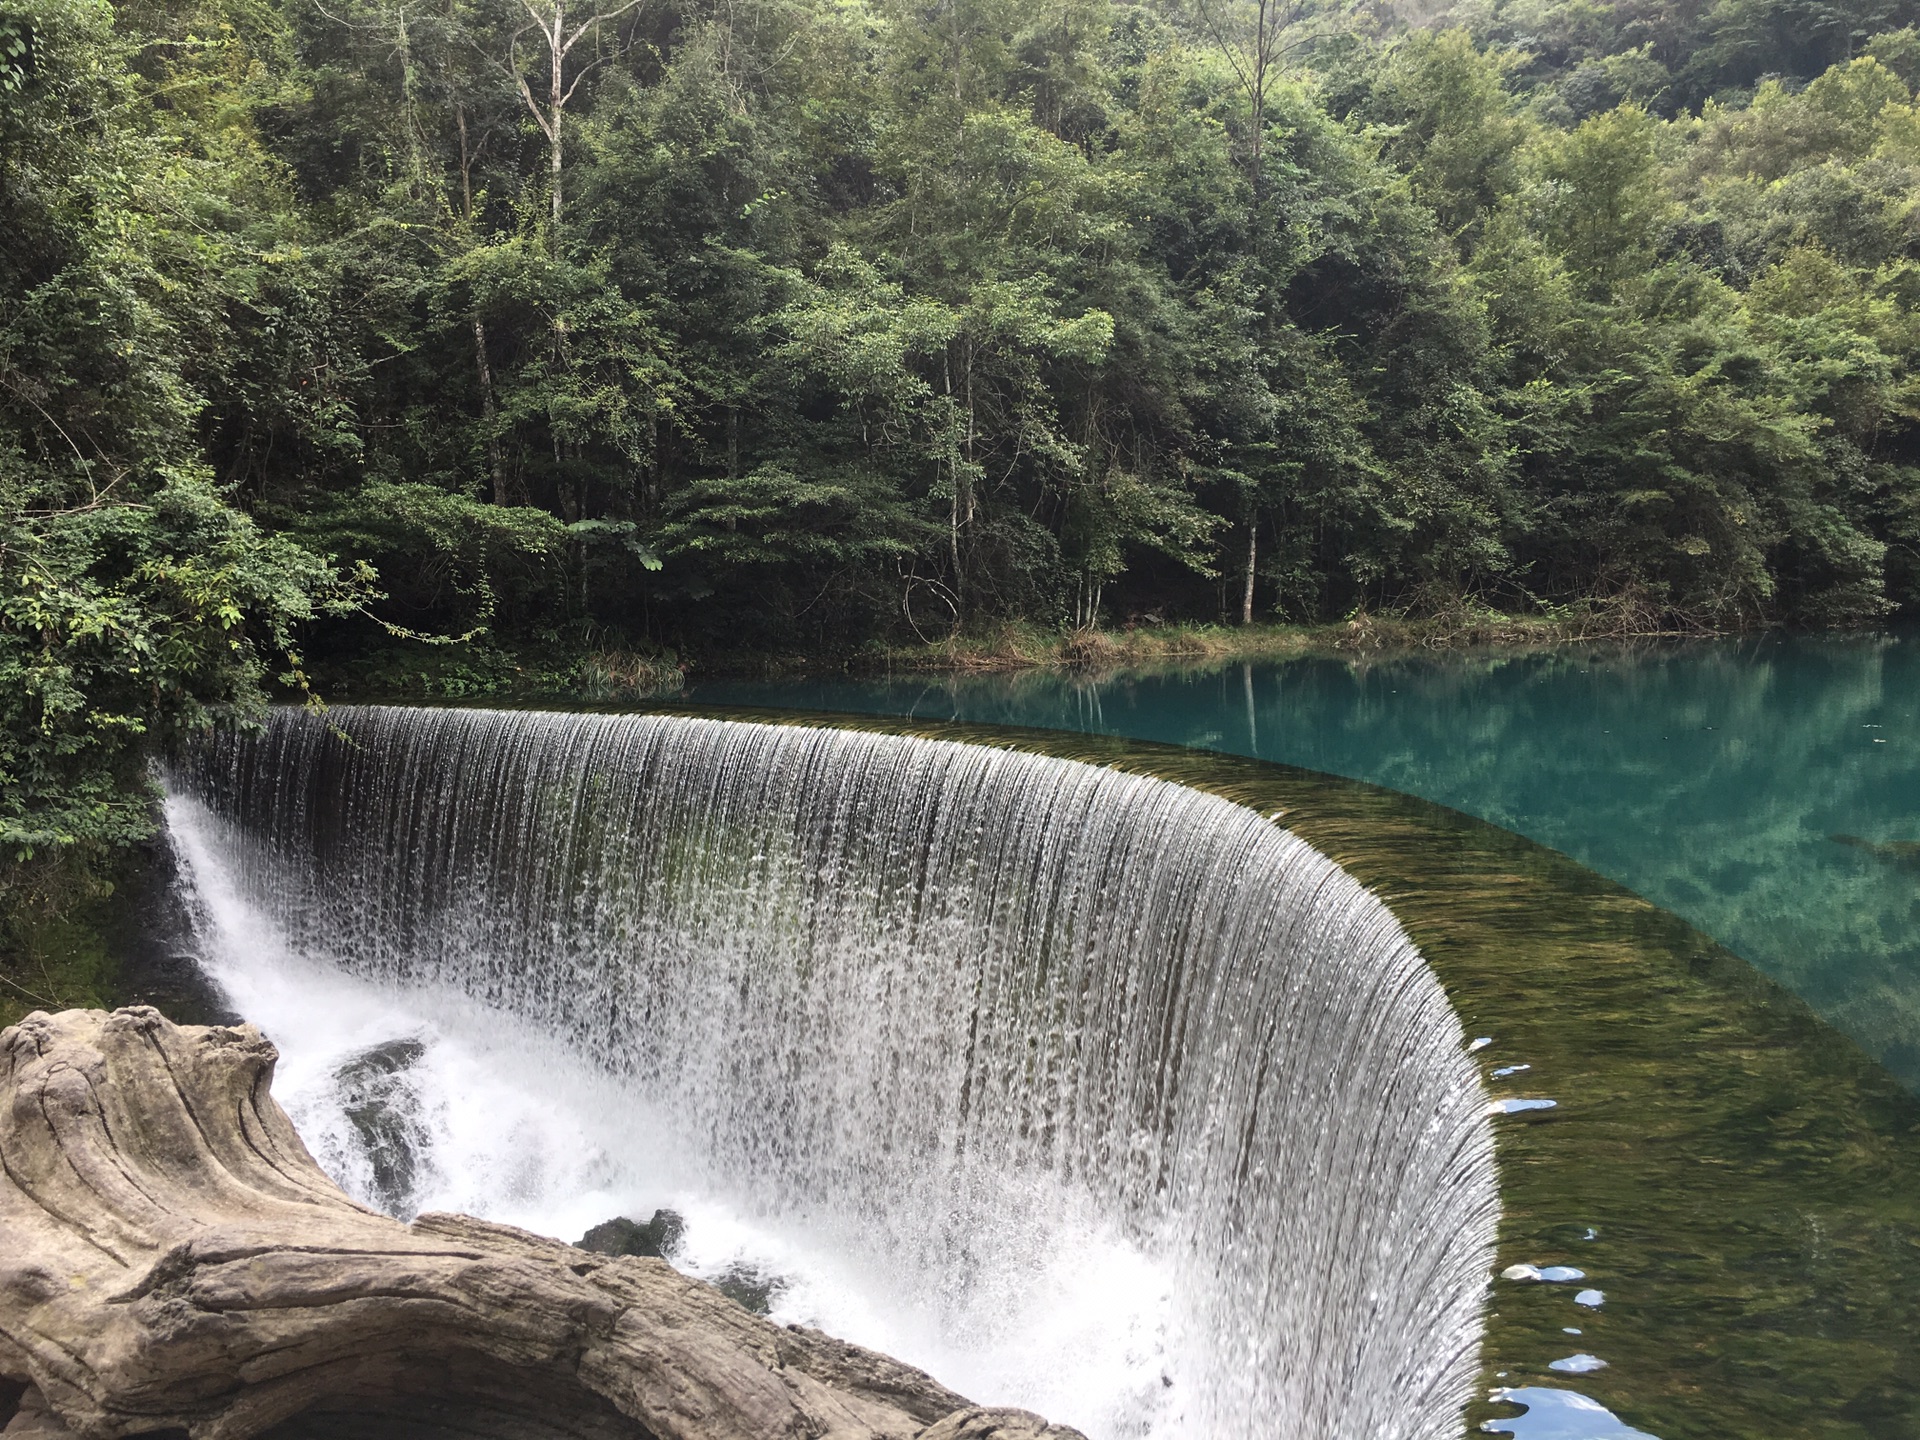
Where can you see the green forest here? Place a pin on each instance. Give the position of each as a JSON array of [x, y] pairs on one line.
[[341, 338]]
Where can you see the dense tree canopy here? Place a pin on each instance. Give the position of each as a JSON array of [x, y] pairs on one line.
[[791, 325]]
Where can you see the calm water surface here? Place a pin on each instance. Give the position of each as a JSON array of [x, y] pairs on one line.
[[1767, 790]]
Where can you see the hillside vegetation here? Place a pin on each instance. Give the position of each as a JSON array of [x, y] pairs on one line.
[[463, 338]]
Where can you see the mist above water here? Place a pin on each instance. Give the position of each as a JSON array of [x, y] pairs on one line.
[[1084, 1091]]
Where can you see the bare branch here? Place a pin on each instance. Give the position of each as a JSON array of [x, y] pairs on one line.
[[553, 35], [41, 999], [594, 23], [513, 68], [585, 71], [86, 465], [350, 24], [100, 497], [1229, 46]]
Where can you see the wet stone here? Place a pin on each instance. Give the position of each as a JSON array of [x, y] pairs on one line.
[[378, 1100], [659, 1238], [750, 1287]]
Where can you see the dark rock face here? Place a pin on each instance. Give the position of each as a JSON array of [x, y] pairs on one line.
[[379, 1103], [747, 1286], [659, 1238], [159, 960], [173, 1263], [753, 1289]]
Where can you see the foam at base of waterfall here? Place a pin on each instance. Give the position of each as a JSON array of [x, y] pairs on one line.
[[1003, 1048], [1075, 1322]]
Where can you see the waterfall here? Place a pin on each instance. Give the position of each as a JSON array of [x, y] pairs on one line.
[[935, 1007]]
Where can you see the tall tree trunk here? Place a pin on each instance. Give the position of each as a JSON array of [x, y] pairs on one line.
[[416, 159], [496, 464], [972, 433], [954, 512], [1253, 555], [557, 110], [551, 115]]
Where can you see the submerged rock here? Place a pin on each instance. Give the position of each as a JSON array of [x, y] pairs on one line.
[[389, 1057], [245, 1296], [378, 1100], [1905, 853], [750, 1287], [659, 1238]]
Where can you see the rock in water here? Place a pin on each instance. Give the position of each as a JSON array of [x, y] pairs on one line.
[[377, 1098], [750, 1287], [172, 1260], [744, 1284], [659, 1237]]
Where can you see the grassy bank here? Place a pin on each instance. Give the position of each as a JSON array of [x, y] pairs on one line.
[[555, 670], [1014, 646], [488, 668]]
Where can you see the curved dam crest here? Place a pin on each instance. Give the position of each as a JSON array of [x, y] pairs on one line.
[[938, 1005]]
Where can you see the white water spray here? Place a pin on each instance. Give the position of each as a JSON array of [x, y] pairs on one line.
[[1085, 1091]]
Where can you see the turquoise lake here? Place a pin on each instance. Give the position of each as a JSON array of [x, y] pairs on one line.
[[1766, 789]]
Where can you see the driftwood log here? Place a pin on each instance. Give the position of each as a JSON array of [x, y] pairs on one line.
[[172, 1262]]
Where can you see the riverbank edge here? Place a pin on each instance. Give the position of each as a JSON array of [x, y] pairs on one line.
[[487, 669], [1015, 646]]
